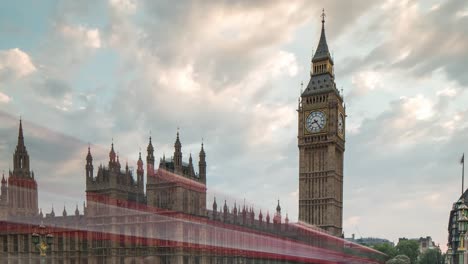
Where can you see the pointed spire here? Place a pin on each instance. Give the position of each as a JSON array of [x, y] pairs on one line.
[[322, 51], [278, 207], [140, 161], [41, 215], [52, 213], [3, 178], [177, 142], [178, 155], [77, 212], [202, 151], [64, 213], [20, 134], [139, 164], [215, 205], [89, 157], [150, 146], [225, 208], [112, 152]]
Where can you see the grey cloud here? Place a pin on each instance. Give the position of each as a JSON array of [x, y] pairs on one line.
[[436, 39], [53, 88]]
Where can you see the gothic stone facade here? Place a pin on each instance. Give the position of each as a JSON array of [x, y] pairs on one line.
[[321, 141]]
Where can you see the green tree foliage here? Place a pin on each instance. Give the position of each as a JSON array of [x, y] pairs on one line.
[[400, 259], [431, 256], [410, 248], [387, 249]]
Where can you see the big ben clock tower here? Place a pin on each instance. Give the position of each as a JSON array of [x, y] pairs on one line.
[[321, 142]]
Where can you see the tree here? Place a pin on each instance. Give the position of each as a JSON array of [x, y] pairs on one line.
[[400, 259], [409, 248], [431, 256], [387, 249]]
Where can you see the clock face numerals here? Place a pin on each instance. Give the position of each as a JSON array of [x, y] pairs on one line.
[[340, 124], [315, 122]]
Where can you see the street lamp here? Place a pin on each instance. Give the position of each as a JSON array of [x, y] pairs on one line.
[[42, 240]]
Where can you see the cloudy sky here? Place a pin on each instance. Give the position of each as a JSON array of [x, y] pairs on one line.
[[230, 72]]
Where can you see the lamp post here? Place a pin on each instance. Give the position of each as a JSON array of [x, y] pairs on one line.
[[42, 240]]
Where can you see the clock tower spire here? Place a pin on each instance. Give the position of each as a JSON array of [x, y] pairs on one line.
[[321, 142]]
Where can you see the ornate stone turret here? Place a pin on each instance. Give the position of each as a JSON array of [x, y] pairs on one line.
[[277, 217], [89, 165], [150, 159], [235, 209], [190, 167], [225, 211], [140, 172], [215, 205], [202, 165], [64, 213], [21, 157], [22, 188], [112, 156], [77, 212], [4, 191], [178, 155], [118, 163]]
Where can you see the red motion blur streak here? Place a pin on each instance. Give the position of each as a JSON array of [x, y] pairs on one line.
[[155, 227]]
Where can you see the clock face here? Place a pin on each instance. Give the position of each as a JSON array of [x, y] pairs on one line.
[[315, 122], [341, 124]]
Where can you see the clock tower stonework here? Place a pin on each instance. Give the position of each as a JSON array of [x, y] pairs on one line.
[[321, 142]]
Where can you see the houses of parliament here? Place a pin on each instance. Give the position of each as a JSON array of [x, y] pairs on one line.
[[170, 222]]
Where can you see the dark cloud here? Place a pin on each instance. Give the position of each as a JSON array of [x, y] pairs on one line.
[[433, 39], [53, 88]]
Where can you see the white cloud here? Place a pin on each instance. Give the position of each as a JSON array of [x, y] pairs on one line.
[[15, 63], [88, 37], [432, 197], [462, 13], [449, 92], [351, 222], [419, 107], [123, 6], [4, 98], [366, 81]]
